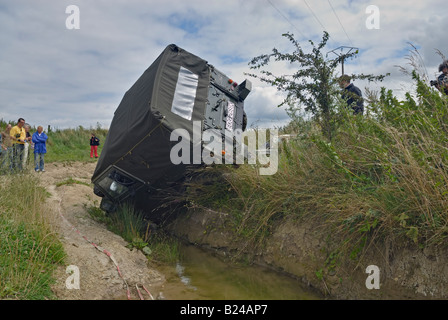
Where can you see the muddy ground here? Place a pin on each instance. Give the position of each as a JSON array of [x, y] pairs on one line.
[[99, 278]]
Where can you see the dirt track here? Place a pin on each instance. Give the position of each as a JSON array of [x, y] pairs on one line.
[[98, 276]]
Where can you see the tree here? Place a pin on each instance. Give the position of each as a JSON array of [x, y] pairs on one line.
[[312, 85]]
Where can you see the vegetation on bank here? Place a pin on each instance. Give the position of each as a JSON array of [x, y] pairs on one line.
[[132, 226], [30, 249], [382, 175]]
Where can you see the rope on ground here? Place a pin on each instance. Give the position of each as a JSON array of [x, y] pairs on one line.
[[99, 249], [139, 293], [146, 291]]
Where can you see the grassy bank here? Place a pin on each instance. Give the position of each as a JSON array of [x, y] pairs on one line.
[[72, 144], [383, 175], [29, 247]]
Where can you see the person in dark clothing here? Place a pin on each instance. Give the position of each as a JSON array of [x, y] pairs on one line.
[[244, 121], [94, 143], [351, 94], [442, 79]]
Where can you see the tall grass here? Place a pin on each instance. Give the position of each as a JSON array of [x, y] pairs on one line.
[[29, 247]]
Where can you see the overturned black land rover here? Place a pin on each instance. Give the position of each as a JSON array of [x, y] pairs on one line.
[[177, 91]]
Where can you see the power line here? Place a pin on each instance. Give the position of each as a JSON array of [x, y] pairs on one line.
[[315, 17], [284, 17], [320, 23], [346, 34], [340, 22]]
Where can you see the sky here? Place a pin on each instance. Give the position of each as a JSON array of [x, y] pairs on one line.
[[65, 77]]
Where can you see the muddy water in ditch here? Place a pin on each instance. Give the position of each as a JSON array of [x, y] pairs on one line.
[[201, 276]]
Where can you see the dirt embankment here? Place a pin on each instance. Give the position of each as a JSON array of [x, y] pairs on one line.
[[303, 251], [98, 274]]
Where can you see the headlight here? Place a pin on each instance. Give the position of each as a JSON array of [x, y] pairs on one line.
[[113, 186]]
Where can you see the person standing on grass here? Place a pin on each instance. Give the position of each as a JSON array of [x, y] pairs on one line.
[[18, 137], [94, 143], [2, 150], [27, 145], [7, 147], [39, 139]]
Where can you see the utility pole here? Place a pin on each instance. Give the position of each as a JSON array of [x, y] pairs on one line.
[[342, 54]]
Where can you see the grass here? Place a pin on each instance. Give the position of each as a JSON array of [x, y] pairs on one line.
[[30, 249], [72, 144], [139, 233]]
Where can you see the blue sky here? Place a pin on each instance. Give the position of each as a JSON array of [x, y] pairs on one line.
[[51, 75]]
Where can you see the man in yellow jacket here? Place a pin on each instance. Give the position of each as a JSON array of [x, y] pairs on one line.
[[18, 136]]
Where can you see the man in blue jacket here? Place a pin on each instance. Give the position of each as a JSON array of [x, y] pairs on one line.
[[40, 148], [351, 94]]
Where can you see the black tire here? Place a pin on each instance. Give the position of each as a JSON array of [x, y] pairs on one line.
[[98, 192]]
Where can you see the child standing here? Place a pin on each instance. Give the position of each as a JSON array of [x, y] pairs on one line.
[[94, 143], [39, 139]]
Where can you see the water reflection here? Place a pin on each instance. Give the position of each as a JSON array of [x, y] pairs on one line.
[[200, 275], [180, 270]]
